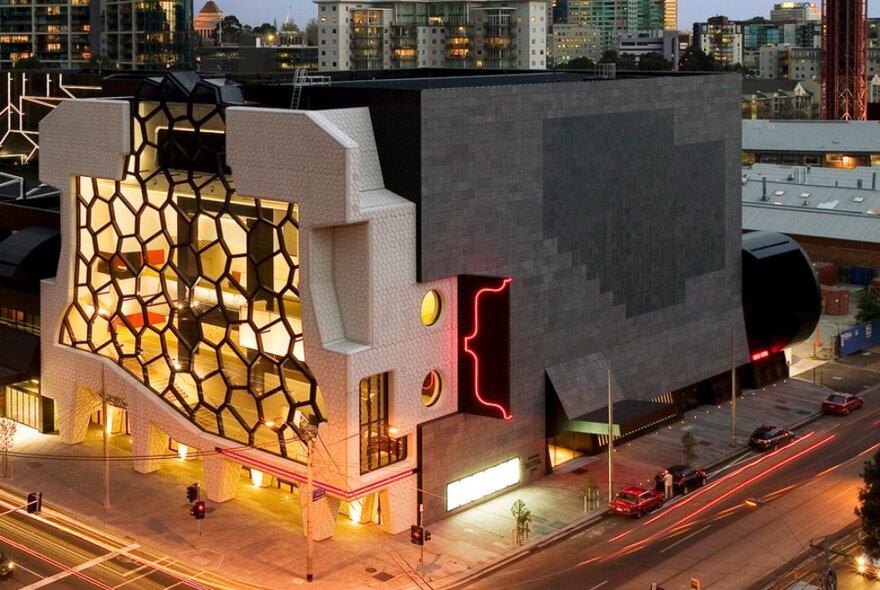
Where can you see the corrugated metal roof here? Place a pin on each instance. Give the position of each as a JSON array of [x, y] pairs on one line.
[[809, 204], [811, 136]]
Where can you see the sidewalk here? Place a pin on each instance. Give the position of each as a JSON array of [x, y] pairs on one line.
[[257, 537]]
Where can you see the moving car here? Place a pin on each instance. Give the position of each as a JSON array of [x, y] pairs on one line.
[[684, 478], [868, 566], [770, 437], [842, 403], [635, 501], [6, 567]]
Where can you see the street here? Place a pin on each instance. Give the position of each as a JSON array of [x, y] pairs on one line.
[[51, 552], [801, 492]]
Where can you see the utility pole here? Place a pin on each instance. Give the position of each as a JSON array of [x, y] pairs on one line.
[[310, 433], [732, 393], [104, 429], [610, 437]]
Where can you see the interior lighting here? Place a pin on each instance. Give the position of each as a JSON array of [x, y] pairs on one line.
[[256, 478], [182, 451]]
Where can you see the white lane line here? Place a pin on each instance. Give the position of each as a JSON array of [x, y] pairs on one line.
[[597, 586], [683, 539], [79, 568]]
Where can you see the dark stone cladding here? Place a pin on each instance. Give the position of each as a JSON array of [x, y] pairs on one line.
[[615, 207]]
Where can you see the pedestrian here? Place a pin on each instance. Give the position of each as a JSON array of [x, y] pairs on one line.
[[667, 482]]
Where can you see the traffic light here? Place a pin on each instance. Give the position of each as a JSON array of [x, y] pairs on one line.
[[34, 502], [427, 535], [192, 492], [417, 534], [198, 510]]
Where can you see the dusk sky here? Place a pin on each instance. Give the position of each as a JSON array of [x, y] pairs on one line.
[[255, 12]]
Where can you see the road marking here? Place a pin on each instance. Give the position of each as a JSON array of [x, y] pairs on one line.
[[79, 568], [599, 585], [683, 539]]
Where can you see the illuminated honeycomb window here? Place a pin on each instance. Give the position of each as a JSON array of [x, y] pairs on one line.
[[191, 288]]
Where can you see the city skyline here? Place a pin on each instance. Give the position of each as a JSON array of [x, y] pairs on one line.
[[256, 12]]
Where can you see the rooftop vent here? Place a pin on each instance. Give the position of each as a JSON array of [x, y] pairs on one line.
[[778, 193]]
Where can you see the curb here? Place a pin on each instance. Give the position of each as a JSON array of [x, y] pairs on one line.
[[487, 567]]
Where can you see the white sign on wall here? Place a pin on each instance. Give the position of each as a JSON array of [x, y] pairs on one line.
[[481, 484]]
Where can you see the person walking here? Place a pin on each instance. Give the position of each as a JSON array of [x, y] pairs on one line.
[[667, 482]]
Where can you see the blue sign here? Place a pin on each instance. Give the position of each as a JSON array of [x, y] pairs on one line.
[[858, 338]]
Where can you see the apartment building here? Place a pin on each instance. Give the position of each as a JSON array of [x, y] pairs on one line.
[[488, 34]]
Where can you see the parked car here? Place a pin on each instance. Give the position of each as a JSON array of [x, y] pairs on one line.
[[635, 501], [770, 437], [842, 403], [684, 478], [868, 566]]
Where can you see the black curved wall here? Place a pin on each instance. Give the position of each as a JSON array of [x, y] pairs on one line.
[[781, 297]]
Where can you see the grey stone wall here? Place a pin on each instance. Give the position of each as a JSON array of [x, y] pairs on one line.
[[615, 207]]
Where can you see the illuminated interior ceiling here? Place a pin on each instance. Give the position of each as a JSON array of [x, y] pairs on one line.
[[192, 289]]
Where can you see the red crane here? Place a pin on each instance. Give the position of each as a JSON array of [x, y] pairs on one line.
[[844, 59]]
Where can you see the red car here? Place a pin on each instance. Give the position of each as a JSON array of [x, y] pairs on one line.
[[842, 403], [635, 501]]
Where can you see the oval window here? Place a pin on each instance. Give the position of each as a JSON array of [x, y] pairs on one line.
[[431, 306], [432, 387]]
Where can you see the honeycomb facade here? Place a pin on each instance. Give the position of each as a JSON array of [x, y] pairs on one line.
[[229, 273]]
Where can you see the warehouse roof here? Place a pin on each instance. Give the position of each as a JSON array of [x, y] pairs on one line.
[[762, 135]]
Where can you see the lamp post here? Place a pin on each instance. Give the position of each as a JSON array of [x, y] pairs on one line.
[[104, 428], [309, 434], [610, 437]]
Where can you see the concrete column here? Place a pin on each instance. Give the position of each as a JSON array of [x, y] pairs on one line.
[[399, 505], [148, 440], [74, 412], [324, 514], [221, 477]]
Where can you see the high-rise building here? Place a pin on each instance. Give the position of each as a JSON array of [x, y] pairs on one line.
[[670, 15], [151, 34], [135, 34], [844, 59], [800, 12], [397, 34], [721, 38], [56, 33]]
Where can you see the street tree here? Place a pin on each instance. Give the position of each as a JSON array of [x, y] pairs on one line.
[[230, 29], [868, 509], [578, 63], [869, 308], [689, 448], [312, 33], [695, 59], [523, 518], [654, 62]]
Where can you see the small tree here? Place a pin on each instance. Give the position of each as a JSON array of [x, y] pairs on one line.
[[689, 448], [7, 441], [869, 308], [591, 492], [868, 509], [523, 518]]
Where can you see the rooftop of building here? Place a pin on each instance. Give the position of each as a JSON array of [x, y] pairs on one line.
[[810, 136], [843, 204], [753, 86], [210, 7]]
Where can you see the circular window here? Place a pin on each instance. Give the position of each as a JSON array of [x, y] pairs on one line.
[[431, 307], [432, 387]]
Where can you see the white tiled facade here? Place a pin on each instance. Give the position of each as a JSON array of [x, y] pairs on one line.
[[376, 35], [360, 301]]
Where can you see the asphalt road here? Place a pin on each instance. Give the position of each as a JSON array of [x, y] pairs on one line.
[[52, 552], [805, 491]]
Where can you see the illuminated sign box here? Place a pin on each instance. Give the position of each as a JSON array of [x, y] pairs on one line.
[[479, 485]]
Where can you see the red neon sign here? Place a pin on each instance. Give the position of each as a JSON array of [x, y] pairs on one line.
[[760, 355], [467, 340]]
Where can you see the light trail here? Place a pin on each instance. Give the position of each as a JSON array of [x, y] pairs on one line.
[[635, 546], [691, 497]]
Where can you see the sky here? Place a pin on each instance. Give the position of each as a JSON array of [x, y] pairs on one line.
[[256, 12]]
